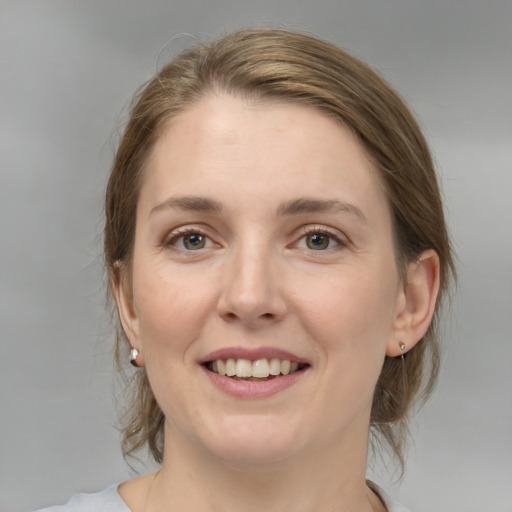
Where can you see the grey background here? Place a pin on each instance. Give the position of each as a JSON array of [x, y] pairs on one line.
[[68, 69]]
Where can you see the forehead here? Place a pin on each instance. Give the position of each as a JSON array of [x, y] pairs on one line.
[[267, 148]]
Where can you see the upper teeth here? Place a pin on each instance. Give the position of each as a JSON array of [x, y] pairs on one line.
[[260, 368]]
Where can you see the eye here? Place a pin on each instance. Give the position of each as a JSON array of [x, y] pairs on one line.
[[317, 240], [194, 241], [189, 241]]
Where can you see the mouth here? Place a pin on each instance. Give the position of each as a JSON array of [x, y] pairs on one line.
[[258, 370]]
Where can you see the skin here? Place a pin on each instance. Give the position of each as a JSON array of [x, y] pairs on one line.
[[259, 282]]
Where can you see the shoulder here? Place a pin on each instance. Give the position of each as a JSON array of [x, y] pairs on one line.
[[107, 500], [390, 503]]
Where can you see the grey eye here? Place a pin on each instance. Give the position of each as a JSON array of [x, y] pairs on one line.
[[194, 241], [317, 241]]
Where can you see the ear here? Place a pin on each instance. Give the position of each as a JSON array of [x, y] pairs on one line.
[[123, 295], [417, 305]]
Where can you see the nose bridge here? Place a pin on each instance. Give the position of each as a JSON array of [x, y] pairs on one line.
[[251, 291]]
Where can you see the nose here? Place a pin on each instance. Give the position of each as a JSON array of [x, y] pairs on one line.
[[251, 292]]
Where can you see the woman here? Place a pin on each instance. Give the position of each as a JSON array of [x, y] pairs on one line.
[[277, 253]]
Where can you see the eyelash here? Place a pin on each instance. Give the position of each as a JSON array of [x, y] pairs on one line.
[[180, 233], [317, 230], [171, 240]]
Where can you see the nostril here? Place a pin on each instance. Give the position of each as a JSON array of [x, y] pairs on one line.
[[232, 316]]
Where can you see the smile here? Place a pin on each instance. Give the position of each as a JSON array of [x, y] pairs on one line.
[[260, 369]]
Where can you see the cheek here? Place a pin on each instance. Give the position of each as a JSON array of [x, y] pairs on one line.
[[351, 311], [170, 311]]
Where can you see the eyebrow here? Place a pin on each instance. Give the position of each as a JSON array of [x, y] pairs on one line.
[[311, 205], [293, 207], [189, 203]]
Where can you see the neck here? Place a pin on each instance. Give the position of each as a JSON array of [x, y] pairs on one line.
[[331, 479]]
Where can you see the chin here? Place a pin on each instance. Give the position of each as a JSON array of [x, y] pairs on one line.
[[254, 441]]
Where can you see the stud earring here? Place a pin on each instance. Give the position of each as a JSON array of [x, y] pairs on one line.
[[134, 353], [402, 346]]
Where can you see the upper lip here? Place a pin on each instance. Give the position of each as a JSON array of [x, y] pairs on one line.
[[253, 354]]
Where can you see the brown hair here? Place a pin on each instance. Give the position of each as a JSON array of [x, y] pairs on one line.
[[270, 64]]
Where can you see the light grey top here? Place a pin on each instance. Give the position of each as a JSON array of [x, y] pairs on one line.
[[109, 500]]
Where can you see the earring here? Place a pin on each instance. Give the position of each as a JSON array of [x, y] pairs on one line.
[[402, 346], [134, 353]]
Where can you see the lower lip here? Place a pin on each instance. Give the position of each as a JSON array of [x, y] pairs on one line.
[[253, 389]]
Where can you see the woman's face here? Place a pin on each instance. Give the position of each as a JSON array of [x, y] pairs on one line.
[[263, 236]]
